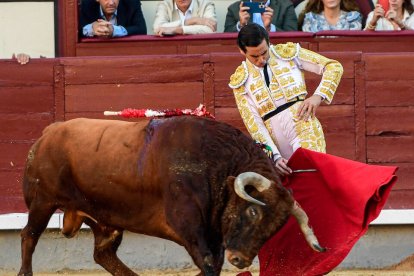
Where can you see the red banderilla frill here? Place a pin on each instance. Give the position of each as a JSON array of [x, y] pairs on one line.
[[200, 111]]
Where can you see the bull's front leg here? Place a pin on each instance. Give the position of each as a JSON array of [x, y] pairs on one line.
[[206, 253], [217, 258]]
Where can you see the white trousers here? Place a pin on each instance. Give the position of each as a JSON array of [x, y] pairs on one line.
[[289, 133]]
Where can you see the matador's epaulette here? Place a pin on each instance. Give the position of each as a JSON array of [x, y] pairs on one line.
[[286, 51], [239, 77]]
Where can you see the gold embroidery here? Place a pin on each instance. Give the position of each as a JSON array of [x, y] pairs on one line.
[[310, 133], [273, 62], [295, 91], [251, 69], [239, 91], [331, 76], [313, 57], [286, 51], [281, 71], [239, 77], [248, 118]]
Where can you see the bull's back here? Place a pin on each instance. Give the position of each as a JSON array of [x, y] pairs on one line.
[[83, 149]]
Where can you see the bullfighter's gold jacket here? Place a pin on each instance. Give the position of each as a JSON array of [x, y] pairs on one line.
[[287, 62]]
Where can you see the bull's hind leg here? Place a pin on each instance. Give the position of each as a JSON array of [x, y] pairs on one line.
[[40, 212], [107, 241]]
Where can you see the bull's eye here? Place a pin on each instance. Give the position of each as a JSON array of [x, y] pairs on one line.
[[253, 212]]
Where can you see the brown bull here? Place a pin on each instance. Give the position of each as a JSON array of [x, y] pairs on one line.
[[195, 181]]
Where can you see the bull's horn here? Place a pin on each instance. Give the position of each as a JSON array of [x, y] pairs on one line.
[[260, 182], [303, 221]]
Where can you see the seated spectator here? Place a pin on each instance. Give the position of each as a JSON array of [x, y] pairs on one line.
[[398, 17], [323, 15], [175, 17], [111, 18], [279, 16]]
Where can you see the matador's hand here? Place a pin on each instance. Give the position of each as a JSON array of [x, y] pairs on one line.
[[308, 107], [282, 167]]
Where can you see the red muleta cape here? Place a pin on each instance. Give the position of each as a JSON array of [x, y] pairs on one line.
[[341, 198]]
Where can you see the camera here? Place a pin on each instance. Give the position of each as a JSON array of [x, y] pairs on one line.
[[255, 7]]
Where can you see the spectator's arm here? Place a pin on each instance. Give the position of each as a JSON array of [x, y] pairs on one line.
[[290, 21], [368, 22], [87, 30], [354, 20], [331, 71], [162, 19], [308, 23], [207, 23], [197, 29], [232, 19], [119, 31]]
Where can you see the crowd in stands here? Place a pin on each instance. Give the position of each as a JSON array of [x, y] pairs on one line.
[[116, 18]]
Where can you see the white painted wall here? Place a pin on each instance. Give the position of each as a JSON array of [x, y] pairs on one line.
[[27, 27]]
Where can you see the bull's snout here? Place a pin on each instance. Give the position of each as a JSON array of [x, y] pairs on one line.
[[237, 259]]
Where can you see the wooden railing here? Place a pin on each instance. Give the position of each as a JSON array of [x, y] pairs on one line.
[[71, 45]]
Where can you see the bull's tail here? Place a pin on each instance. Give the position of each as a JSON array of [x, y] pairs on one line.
[[30, 183]]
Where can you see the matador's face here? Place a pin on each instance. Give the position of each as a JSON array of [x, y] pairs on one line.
[[257, 55]]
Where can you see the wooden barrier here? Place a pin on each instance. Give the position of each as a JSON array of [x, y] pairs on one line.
[[389, 118], [370, 119]]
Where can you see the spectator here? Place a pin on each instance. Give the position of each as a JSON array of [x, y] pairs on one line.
[[111, 18], [175, 17], [279, 16], [323, 15], [398, 17]]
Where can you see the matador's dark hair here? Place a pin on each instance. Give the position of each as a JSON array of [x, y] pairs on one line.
[[251, 35]]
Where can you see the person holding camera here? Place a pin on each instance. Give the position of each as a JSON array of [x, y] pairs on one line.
[[273, 15], [399, 16]]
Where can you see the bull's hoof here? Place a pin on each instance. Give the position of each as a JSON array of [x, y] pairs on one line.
[[25, 274], [209, 270]]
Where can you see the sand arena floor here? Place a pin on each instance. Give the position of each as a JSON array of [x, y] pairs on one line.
[[405, 268]]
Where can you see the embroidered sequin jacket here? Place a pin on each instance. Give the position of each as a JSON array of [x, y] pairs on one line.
[[254, 99]]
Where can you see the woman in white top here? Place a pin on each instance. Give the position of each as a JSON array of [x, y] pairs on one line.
[[398, 17]]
